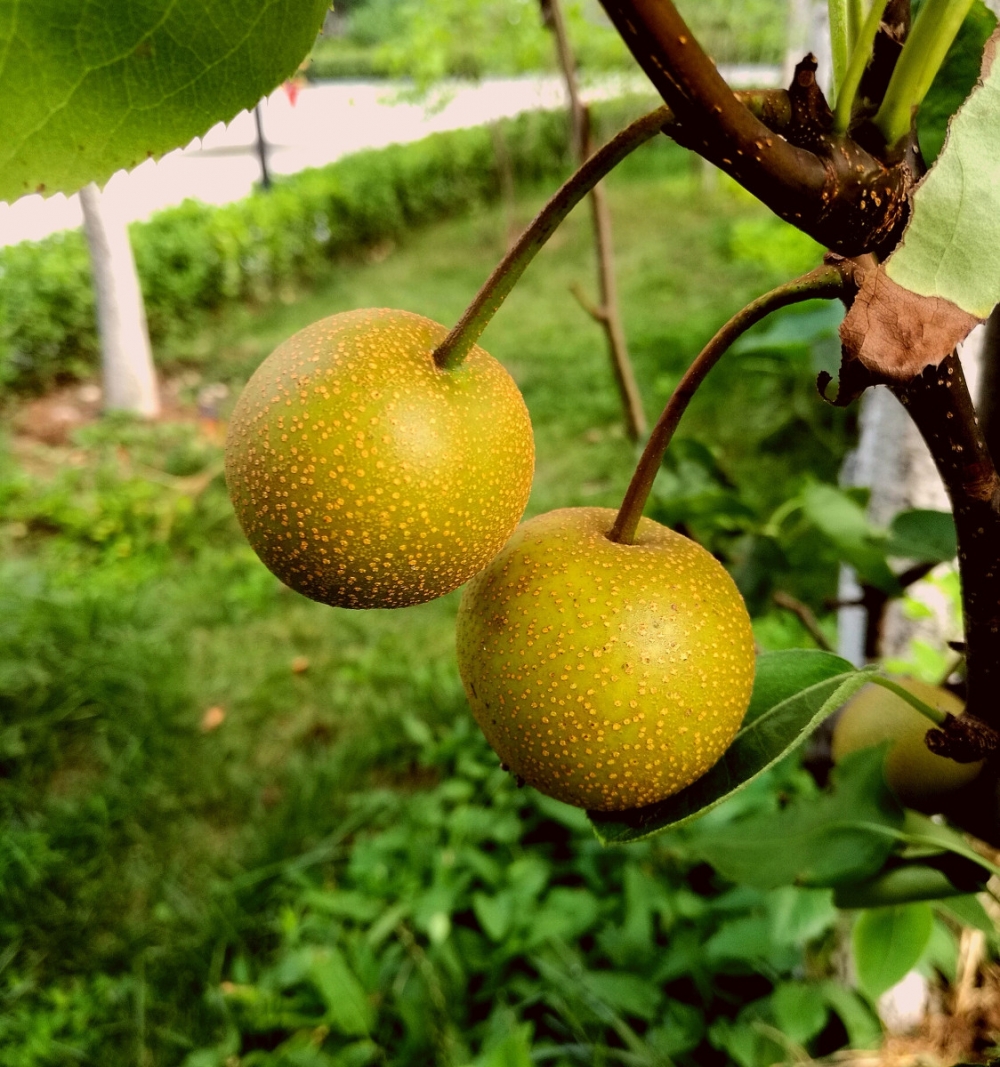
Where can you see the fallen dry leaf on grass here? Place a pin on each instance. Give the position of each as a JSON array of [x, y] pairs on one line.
[[213, 718]]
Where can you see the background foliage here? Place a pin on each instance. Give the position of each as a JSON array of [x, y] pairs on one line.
[[479, 38], [179, 886], [238, 827]]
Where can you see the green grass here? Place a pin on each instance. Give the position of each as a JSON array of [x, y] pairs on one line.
[[141, 856]]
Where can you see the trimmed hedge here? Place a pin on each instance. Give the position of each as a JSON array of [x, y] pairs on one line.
[[194, 259]]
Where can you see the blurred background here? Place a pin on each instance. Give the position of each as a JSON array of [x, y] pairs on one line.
[[241, 828]]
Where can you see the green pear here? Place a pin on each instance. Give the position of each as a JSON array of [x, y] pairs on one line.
[[366, 476], [606, 675], [919, 777]]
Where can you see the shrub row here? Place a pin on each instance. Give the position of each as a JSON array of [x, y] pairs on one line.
[[194, 258]]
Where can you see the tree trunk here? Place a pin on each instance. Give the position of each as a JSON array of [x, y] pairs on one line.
[[606, 313], [129, 378]]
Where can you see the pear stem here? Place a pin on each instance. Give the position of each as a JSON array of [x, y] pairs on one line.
[[455, 347], [937, 717], [824, 282]]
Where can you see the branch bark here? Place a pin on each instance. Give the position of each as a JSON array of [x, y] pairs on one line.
[[939, 403], [828, 186], [989, 387]]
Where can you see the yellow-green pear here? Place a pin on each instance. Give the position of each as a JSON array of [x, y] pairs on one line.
[[919, 777], [366, 476], [606, 675]]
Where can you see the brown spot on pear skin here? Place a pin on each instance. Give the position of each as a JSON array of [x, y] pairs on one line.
[[365, 476], [608, 676]]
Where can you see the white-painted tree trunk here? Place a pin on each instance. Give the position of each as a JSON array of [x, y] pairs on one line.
[[129, 378], [808, 31]]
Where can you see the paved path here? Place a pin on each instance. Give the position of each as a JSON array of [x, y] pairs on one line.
[[327, 121]]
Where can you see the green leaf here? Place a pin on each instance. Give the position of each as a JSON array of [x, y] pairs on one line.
[[903, 884], [861, 1024], [86, 89], [800, 915], [815, 841], [844, 522], [781, 676], [921, 833], [494, 913], [951, 247], [566, 915], [888, 942], [955, 80], [926, 536], [748, 940], [941, 953], [746, 1042], [793, 692], [681, 1030], [626, 993], [514, 1050], [348, 1009], [800, 1010], [969, 911]]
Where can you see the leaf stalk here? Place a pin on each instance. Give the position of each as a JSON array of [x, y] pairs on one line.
[[935, 715], [933, 33], [860, 55]]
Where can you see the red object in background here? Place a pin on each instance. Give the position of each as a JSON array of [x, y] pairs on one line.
[[292, 87]]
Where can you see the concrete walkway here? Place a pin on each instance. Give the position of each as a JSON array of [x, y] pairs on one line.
[[326, 122]]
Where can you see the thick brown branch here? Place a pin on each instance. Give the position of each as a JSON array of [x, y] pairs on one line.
[[939, 403], [832, 188], [988, 401], [771, 106]]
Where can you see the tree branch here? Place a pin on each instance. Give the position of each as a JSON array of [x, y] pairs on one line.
[[834, 190], [805, 615], [596, 313], [939, 403], [610, 319]]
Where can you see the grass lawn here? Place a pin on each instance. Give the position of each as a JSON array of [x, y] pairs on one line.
[[183, 742]]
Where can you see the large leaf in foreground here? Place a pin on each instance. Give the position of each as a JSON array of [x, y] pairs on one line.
[[821, 841], [86, 89], [951, 247], [793, 692]]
